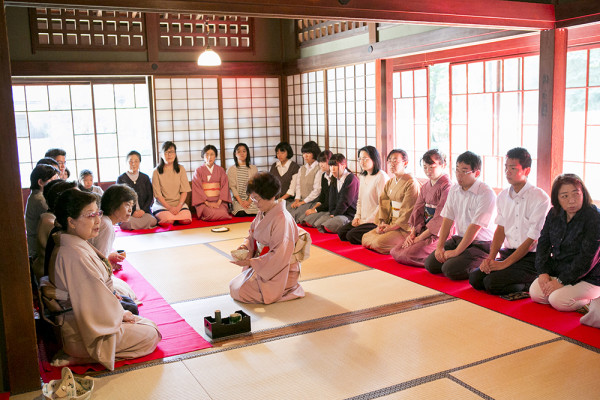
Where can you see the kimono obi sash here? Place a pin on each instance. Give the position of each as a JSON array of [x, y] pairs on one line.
[[211, 189], [301, 247], [429, 212], [396, 208]]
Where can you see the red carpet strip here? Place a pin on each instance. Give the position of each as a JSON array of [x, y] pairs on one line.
[[196, 223], [178, 337], [543, 316]]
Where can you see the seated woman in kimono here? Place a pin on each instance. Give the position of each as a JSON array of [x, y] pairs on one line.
[[141, 218], [97, 329], [210, 188], [117, 203], [426, 219], [170, 186], [238, 176], [396, 204], [271, 270]]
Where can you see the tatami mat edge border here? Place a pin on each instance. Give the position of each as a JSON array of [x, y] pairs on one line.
[[447, 374]]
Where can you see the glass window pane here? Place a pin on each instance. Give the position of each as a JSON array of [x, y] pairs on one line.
[[594, 106], [37, 98], [81, 97], [574, 124], [531, 73], [19, 98], [592, 145], [576, 68], [407, 84], [492, 75], [459, 79], [105, 121], [124, 96], [421, 82], [512, 74], [475, 83], [104, 96], [60, 97]]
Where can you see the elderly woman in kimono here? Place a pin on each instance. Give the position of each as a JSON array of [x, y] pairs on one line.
[[271, 271], [97, 329], [210, 188], [426, 219], [396, 204]]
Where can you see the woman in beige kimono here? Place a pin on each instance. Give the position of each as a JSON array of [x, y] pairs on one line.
[[97, 329], [396, 204], [270, 272]]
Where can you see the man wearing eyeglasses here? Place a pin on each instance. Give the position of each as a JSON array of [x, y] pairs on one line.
[[522, 210], [470, 208], [61, 158]]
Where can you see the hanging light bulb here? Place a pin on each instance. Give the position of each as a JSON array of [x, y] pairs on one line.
[[208, 58]]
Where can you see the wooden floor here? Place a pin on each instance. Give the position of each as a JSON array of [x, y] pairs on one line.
[[358, 333]]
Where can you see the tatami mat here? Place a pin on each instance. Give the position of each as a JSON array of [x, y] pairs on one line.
[[137, 243], [559, 370], [320, 263], [185, 272], [439, 389], [194, 271], [359, 358], [324, 297], [162, 382]]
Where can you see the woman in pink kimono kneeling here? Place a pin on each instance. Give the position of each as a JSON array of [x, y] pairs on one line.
[[271, 270], [97, 329], [210, 188]]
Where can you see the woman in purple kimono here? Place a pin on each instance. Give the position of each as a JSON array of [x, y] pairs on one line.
[[425, 220], [271, 269], [210, 188]]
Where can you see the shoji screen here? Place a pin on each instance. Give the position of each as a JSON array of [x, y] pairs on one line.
[[306, 110], [351, 110], [187, 113], [251, 115]]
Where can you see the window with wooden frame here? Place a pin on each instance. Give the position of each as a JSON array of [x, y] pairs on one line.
[[582, 117], [306, 110], [351, 105], [73, 29], [251, 115], [185, 31], [96, 122], [187, 113], [411, 110], [494, 107]]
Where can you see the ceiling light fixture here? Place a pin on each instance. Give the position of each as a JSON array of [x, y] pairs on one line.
[[208, 58]]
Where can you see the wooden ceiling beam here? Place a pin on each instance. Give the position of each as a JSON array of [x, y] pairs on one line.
[[487, 13], [577, 13]]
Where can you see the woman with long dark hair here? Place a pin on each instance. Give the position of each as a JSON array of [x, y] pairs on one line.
[[170, 186], [238, 176], [567, 256]]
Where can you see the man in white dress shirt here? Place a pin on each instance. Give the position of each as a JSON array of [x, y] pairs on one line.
[[522, 209], [470, 206]]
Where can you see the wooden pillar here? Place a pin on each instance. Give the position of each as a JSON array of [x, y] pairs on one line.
[[152, 36], [384, 108], [20, 365], [553, 72]]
